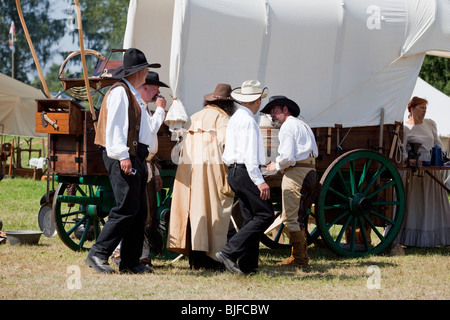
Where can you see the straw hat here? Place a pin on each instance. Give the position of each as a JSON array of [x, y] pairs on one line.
[[249, 91]]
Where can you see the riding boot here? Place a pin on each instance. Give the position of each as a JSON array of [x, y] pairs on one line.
[[299, 252]]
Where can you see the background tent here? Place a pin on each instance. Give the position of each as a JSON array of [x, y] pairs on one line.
[[438, 109], [342, 61], [18, 108]]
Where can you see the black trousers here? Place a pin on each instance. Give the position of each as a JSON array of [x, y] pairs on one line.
[[126, 220], [258, 215]]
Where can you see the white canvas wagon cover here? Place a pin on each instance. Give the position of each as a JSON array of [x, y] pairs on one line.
[[341, 60]]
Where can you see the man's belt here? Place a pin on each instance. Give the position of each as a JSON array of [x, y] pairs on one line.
[[237, 165], [305, 164]]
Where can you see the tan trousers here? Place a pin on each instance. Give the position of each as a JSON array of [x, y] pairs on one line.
[[291, 186]]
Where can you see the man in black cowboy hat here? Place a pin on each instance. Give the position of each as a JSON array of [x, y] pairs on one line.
[[297, 152], [150, 89], [150, 93], [121, 129]]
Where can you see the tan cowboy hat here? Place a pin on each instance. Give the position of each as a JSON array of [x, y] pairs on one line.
[[249, 91], [221, 93]]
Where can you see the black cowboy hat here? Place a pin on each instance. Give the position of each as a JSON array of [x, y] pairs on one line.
[[282, 101], [133, 61], [152, 78]]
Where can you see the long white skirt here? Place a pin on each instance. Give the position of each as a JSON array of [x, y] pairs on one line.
[[426, 222]]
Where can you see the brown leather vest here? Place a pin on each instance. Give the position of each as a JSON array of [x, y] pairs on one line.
[[134, 120]]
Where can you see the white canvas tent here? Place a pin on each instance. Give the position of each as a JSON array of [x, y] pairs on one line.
[[438, 109], [341, 60], [18, 108]]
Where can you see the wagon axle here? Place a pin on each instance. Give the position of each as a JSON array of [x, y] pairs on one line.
[[359, 204]]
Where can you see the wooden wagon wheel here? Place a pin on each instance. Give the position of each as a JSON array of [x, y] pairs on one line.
[[79, 212], [361, 204], [76, 53]]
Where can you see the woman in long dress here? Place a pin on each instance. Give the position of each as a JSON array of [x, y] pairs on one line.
[[427, 213]]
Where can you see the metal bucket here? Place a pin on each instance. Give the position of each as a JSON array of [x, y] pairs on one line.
[[23, 237]]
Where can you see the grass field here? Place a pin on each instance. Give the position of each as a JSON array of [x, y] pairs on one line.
[[51, 271]]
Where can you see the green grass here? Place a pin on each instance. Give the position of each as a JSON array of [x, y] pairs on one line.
[[43, 272], [20, 202]]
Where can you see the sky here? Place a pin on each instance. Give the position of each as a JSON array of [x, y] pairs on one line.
[[60, 9], [63, 10]]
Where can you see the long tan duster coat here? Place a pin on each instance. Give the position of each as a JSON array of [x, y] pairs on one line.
[[201, 201]]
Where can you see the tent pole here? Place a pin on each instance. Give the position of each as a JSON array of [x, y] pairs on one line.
[[12, 64], [30, 44], [11, 156], [83, 62]]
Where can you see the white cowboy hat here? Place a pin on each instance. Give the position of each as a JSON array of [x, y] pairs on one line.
[[249, 91]]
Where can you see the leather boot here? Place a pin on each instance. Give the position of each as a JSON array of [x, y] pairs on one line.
[[299, 252]]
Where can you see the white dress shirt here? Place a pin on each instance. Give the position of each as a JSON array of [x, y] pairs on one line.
[[244, 144], [117, 122], [154, 123], [297, 142]]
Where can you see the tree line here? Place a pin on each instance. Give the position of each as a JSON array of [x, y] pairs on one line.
[[46, 32]]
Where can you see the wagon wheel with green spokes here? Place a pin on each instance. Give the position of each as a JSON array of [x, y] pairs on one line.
[[79, 212], [361, 204]]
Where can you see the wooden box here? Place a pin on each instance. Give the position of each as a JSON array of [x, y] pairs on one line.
[[334, 141], [165, 143], [67, 115], [76, 154]]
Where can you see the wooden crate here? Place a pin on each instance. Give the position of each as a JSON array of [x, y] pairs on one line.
[[76, 154], [66, 113], [165, 143], [334, 141]]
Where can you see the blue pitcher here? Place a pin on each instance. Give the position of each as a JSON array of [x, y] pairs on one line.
[[436, 156]]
